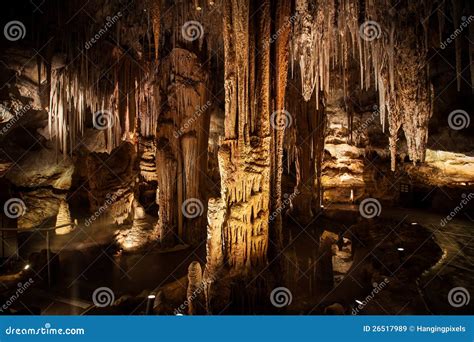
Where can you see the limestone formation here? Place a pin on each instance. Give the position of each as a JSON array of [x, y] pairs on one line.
[[195, 292], [244, 154], [63, 219], [272, 120], [181, 146]]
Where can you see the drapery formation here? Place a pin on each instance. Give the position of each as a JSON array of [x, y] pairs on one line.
[[150, 84], [138, 91], [244, 155], [388, 44], [112, 90], [181, 147]]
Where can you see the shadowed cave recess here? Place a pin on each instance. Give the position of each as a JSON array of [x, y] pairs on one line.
[[199, 157]]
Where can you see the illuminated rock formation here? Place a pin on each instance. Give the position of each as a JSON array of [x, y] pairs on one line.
[[147, 119], [63, 219], [244, 154], [195, 292], [240, 218]]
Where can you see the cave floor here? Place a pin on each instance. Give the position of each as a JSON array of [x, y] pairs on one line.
[[88, 259], [455, 267]]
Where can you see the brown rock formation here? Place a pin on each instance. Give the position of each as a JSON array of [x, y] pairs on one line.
[[195, 292], [181, 148], [63, 218]]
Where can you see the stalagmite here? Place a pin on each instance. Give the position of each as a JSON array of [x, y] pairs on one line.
[[216, 219], [166, 175], [137, 236], [214, 271], [244, 153], [63, 218], [111, 180], [147, 159], [195, 291], [324, 281]]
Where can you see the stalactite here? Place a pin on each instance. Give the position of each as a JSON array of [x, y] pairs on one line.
[[318, 148], [156, 23], [80, 87], [405, 96], [441, 22], [230, 77], [457, 42], [313, 39]]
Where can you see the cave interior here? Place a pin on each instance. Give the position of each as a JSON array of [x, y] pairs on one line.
[[199, 157]]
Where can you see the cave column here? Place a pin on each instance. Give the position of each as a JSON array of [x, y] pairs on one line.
[[244, 154], [181, 149]]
